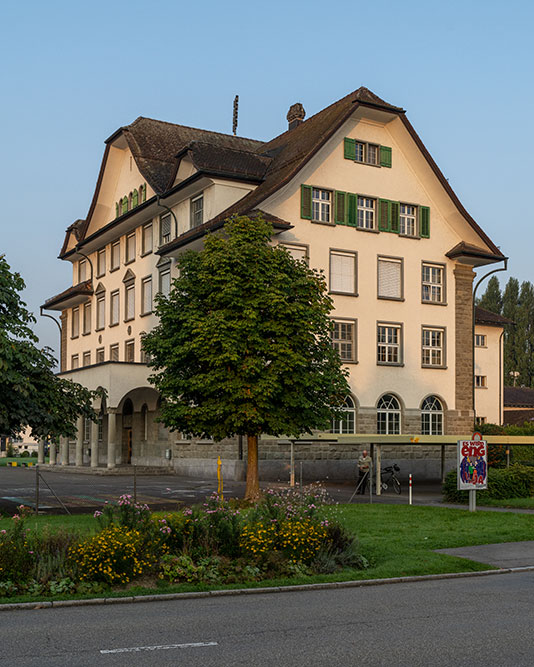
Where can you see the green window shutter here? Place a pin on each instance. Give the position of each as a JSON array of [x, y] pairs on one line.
[[116, 209], [135, 199], [424, 217], [306, 202], [124, 205], [385, 156], [395, 223], [340, 199], [383, 215], [352, 206], [349, 149]]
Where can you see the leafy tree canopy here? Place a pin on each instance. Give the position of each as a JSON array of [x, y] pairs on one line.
[[244, 341], [30, 394]]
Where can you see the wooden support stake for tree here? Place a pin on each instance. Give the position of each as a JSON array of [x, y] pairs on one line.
[[252, 491]]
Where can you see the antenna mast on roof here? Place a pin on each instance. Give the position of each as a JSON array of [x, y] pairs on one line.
[[236, 107]]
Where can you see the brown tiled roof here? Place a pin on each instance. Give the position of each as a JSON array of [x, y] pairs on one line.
[[519, 397], [483, 316], [155, 145], [469, 250], [229, 161], [517, 417]]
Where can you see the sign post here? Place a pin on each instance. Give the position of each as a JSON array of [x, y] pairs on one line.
[[472, 467]]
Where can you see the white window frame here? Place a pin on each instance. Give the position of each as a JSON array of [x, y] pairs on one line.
[[114, 308], [321, 205], [75, 322], [147, 241], [345, 339], [347, 424], [130, 248], [129, 301], [433, 343], [432, 289], [389, 344], [408, 220], [101, 263], [432, 416], [366, 213], [481, 381], [382, 261], [337, 287], [362, 152], [196, 211], [115, 256], [388, 419]]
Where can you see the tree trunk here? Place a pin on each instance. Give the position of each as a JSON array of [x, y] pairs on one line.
[[252, 491]]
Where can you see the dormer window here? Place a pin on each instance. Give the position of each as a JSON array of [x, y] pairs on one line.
[[197, 211]]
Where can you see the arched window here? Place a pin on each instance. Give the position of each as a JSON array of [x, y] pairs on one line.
[[142, 193], [144, 421], [130, 198], [135, 198], [347, 423], [388, 415], [431, 416], [117, 209]]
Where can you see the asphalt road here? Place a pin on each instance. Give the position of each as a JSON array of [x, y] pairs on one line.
[[471, 621], [86, 492]]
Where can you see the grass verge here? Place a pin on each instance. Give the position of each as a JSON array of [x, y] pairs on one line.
[[398, 540]]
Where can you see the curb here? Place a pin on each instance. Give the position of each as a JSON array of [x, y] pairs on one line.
[[262, 590]]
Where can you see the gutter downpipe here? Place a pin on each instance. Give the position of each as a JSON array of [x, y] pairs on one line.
[[158, 203], [504, 268]]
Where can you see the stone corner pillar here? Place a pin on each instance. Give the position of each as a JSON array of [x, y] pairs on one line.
[[112, 437], [40, 452], [53, 454], [463, 311], [94, 445]]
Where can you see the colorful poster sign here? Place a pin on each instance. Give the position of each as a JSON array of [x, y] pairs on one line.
[[472, 463]]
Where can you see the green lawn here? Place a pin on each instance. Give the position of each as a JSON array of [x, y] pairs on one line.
[[398, 540]]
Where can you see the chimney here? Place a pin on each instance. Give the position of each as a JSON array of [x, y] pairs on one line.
[[295, 115]]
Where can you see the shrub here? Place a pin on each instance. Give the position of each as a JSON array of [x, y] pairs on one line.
[[126, 513], [34, 454], [16, 556], [25, 454], [517, 481], [115, 555]]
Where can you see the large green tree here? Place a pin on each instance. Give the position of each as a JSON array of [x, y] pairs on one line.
[[492, 298], [243, 346], [30, 393], [512, 345]]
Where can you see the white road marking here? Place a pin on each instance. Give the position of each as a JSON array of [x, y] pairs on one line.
[[164, 647]]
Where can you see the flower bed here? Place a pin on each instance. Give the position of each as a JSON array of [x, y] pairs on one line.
[[287, 533]]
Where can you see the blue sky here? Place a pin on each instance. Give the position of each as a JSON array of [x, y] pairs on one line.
[[72, 73]]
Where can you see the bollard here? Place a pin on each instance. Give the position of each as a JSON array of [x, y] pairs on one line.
[[410, 489]]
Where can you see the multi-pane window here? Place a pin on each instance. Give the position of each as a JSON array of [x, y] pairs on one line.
[[433, 283], [87, 430], [388, 415], [390, 278], [101, 263], [114, 308], [130, 247], [165, 228], [298, 252], [165, 281], [389, 343], [147, 239], [433, 347], [347, 422], [344, 339], [75, 329], [408, 219], [481, 381], [100, 429], [146, 295], [82, 270], [129, 301], [366, 212], [360, 152], [197, 211], [343, 272], [115, 256], [481, 340], [432, 416], [481, 420], [321, 200], [100, 311], [74, 361], [129, 351], [87, 318], [86, 359], [100, 355], [114, 352], [366, 152]]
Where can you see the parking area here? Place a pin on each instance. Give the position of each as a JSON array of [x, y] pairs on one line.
[[82, 493]]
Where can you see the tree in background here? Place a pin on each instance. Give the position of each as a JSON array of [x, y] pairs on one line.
[[30, 394], [512, 350], [492, 298], [243, 345]]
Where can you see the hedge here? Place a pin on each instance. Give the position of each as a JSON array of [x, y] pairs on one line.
[[517, 481]]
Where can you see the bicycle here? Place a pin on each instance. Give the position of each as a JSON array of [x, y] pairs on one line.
[[388, 476]]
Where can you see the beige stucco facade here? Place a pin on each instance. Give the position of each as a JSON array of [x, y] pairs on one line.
[[409, 181]]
